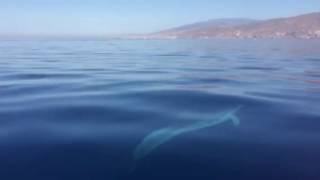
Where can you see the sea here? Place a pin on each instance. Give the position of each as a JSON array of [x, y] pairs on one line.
[[160, 109]]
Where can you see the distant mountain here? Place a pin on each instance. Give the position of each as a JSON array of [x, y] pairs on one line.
[[216, 23], [305, 26]]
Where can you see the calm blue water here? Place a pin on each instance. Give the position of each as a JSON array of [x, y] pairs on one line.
[[78, 109]]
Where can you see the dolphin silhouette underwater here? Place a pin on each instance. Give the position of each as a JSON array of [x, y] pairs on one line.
[[159, 137]]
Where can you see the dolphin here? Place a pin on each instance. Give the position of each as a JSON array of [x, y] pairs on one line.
[[159, 137]]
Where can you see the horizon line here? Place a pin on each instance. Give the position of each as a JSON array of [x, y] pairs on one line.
[[41, 35]]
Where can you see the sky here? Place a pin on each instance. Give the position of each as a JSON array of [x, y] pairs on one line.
[[103, 17]]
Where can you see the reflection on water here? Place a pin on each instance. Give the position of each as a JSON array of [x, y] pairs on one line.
[[78, 109]]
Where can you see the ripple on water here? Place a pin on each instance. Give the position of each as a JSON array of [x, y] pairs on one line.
[[77, 109]]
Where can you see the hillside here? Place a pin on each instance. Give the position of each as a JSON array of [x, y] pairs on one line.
[[304, 26]]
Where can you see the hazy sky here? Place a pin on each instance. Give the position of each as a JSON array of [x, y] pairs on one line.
[[98, 17]]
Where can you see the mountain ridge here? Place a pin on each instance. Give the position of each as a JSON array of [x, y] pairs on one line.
[[306, 26]]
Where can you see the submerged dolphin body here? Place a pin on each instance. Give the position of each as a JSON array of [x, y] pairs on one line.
[[158, 137]]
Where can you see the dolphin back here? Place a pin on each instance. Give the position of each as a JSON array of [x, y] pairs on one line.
[[152, 141]]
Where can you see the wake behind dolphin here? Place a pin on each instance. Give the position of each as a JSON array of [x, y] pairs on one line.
[[158, 137]]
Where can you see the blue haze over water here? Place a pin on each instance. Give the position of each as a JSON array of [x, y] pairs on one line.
[[78, 109]]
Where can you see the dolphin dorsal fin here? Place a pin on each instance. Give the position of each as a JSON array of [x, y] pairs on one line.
[[235, 120]]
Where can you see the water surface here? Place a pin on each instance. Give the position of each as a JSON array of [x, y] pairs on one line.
[[78, 109]]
